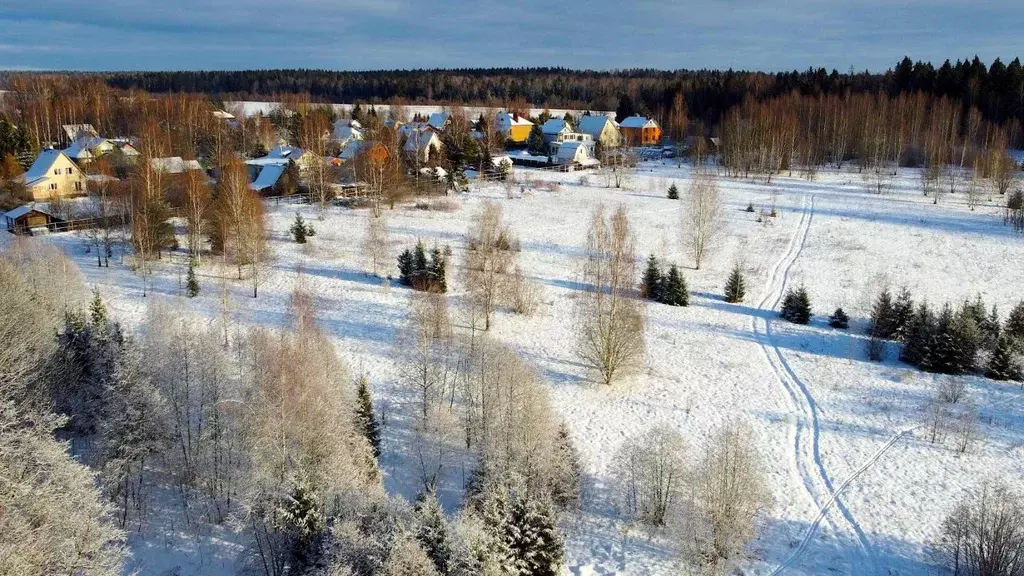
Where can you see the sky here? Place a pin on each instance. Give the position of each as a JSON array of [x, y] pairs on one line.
[[769, 35]]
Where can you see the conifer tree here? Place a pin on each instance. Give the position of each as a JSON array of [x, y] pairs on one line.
[[652, 280], [366, 418], [1003, 364], [673, 192], [419, 263], [796, 306], [191, 283], [839, 319], [533, 536], [1014, 326], [566, 490], [437, 273], [919, 337], [991, 330], [405, 267], [903, 311], [432, 532], [300, 230], [675, 293], [882, 316], [735, 288], [535, 142], [97, 310]]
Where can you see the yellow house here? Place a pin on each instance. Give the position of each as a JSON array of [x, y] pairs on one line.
[[514, 127], [54, 174]]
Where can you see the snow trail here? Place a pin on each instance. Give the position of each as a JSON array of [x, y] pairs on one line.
[[809, 467]]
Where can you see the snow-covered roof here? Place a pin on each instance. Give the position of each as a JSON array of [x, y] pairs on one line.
[[593, 125], [22, 210], [438, 120], [268, 176], [223, 115], [556, 125], [344, 130], [174, 164], [351, 150], [419, 140], [577, 152], [78, 150], [40, 169], [76, 131], [638, 122], [506, 121], [286, 152]]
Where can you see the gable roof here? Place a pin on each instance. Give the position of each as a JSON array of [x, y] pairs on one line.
[[174, 164], [76, 131], [419, 140], [40, 169], [506, 121], [83, 147], [638, 122], [345, 130], [268, 176], [593, 125], [438, 120], [556, 125], [26, 209]]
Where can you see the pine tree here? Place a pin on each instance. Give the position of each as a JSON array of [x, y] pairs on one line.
[[299, 229], [366, 418], [882, 316], [673, 192], [97, 310], [902, 313], [1014, 326], [566, 489], [796, 307], [432, 532], [735, 288], [405, 267], [1003, 365], [839, 319], [652, 280], [675, 293], [919, 337], [191, 284]]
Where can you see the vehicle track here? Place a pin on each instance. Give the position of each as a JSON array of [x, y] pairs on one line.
[[808, 465]]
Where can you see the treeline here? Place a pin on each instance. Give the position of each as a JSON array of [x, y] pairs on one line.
[[994, 89]]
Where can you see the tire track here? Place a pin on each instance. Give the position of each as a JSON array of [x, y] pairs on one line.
[[809, 466]]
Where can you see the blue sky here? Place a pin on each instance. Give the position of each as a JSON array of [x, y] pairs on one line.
[[600, 34]]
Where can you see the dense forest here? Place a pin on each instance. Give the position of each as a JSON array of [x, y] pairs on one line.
[[996, 90]]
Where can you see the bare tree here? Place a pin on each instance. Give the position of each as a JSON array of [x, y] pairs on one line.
[[984, 534], [198, 203], [729, 495], [703, 221], [610, 318], [650, 473], [376, 247], [491, 253]]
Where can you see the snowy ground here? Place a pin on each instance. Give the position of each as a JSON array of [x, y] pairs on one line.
[[823, 418]]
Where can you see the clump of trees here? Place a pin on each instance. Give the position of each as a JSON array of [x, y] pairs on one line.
[[610, 319], [664, 288], [796, 306], [420, 273], [713, 508]]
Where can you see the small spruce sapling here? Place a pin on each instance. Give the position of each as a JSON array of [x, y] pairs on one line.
[[191, 283], [673, 192], [735, 289], [796, 307], [839, 319], [97, 310], [652, 280], [365, 416], [675, 293], [300, 230]]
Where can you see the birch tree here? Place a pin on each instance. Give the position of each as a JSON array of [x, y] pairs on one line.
[[703, 220]]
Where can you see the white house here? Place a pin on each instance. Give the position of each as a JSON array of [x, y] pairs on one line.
[[575, 154], [174, 165], [345, 131], [554, 128], [54, 174], [421, 145]]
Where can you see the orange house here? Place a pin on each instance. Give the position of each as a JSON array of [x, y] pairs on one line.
[[640, 131]]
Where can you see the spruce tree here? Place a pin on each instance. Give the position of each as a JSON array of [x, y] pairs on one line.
[[882, 316], [432, 532], [735, 288], [673, 192], [533, 536], [919, 337], [839, 319], [299, 230], [535, 142], [303, 520], [652, 280], [97, 310], [419, 265], [438, 276], [566, 489], [902, 313], [990, 330], [675, 293], [944, 354], [191, 283], [1014, 326], [405, 267], [796, 306], [1003, 364], [366, 418]]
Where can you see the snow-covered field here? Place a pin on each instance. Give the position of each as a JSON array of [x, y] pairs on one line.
[[857, 488]]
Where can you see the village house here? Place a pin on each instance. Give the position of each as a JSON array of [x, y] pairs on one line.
[[54, 174], [345, 131], [439, 121], [602, 129], [553, 130], [640, 131], [75, 132], [421, 146], [514, 127], [575, 154], [174, 165]]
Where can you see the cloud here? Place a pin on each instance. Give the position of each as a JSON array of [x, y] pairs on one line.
[[602, 34]]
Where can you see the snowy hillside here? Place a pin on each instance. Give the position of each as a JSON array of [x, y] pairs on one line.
[[856, 486]]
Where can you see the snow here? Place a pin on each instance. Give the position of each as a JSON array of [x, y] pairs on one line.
[[269, 175], [636, 122], [856, 486], [254, 108]]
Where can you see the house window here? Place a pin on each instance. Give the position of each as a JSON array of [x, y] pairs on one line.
[[56, 171], [53, 186], [69, 171], [78, 185]]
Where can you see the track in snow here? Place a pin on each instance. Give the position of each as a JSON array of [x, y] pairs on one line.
[[808, 465]]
